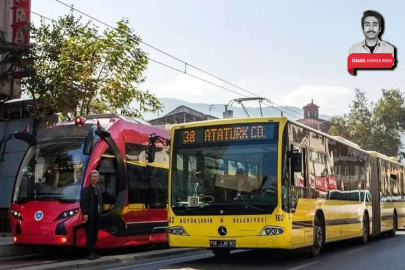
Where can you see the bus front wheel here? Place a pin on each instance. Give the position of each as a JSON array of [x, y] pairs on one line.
[[219, 252], [315, 249]]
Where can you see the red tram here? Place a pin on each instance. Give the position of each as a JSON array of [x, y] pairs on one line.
[[45, 203]]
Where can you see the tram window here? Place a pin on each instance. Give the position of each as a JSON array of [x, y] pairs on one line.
[[138, 184], [135, 152], [107, 169], [158, 183]]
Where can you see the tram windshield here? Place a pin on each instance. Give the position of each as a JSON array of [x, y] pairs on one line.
[[51, 171]]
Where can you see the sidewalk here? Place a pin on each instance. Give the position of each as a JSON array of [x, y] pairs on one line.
[[8, 249], [112, 260]]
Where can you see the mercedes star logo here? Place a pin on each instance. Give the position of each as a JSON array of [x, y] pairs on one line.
[[222, 231]]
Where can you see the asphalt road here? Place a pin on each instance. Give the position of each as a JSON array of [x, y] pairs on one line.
[[383, 253], [64, 255]]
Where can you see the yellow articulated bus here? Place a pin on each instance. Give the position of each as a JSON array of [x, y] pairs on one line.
[[274, 183]]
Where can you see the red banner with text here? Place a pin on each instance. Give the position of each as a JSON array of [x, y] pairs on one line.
[[21, 37], [369, 61], [21, 21]]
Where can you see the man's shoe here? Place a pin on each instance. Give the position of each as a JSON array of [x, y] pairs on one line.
[[96, 256], [91, 257]]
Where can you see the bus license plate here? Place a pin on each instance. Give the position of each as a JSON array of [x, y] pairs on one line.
[[223, 243]]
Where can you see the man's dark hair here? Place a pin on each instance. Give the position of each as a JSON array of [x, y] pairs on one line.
[[371, 13]]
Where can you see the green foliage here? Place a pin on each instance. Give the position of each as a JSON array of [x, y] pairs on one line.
[[376, 127], [72, 69]]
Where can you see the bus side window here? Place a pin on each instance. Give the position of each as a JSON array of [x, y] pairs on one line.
[[298, 180], [107, 168]]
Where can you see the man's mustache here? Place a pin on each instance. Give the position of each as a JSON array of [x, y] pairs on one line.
[[371, 32]]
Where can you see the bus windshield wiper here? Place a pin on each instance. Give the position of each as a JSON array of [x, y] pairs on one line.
[[253, 207], [235, 203]]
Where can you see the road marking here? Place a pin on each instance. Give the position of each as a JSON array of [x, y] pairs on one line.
[[355, 250], [162, 261], [304, 265]]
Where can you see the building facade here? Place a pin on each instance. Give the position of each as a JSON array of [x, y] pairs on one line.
[[6, 20], [311, 118], [15, 18], [181, 114]]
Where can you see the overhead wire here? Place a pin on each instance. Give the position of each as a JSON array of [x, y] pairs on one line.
[[173, 68], [176, 58]]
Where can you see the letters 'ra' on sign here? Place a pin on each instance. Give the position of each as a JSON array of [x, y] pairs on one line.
[[21, 20]]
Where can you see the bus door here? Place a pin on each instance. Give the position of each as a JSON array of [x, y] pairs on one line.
[[375, 195]]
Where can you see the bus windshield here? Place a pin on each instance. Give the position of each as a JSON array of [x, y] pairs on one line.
[[51, 171], [228, 178]]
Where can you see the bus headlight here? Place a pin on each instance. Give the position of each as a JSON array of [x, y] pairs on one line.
[[68, 214], [16, 214], [178, 230], [271, 230]]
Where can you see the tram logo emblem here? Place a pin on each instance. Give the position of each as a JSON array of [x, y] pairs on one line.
[[222, 231], [38, 215]]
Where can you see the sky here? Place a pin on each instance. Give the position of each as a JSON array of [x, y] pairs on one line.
[[289, 52]]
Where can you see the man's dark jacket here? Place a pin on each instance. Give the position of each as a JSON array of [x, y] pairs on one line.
[[87, 201]]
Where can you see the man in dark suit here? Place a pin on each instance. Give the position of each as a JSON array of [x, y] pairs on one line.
[[90, 204]]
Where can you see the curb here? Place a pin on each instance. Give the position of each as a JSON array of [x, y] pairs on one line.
[[112, 260]]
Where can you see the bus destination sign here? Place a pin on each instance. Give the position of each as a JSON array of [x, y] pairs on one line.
[[228, 133]]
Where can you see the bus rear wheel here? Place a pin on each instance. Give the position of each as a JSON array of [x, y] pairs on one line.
[[394, 226], [366, 230], [316, 247], [219, 252]]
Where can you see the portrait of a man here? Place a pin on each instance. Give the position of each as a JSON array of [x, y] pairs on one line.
[[372, 25]]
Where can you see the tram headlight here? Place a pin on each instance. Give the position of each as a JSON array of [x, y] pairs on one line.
[[271, 230], [16, 214], [68, 214], [178, 230]]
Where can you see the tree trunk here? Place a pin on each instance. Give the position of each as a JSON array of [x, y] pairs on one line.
[[35, 124]]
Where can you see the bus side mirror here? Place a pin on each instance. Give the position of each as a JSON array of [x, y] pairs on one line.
[[151, 152], [296, 162], [151, 147]]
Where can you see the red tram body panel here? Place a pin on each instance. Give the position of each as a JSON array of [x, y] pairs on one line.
[[45, 207]]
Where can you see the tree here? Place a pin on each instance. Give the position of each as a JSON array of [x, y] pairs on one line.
[[72, 69], [372, 126]]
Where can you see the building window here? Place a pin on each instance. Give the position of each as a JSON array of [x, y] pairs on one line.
[[308, 113]]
